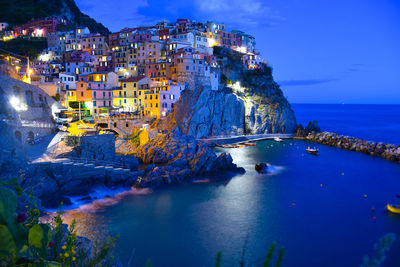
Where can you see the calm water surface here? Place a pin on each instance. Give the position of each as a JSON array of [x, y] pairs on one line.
[[318, 207], [380, 123]]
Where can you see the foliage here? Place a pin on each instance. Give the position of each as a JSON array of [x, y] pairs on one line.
[[134, 137], [380, 248], [24, 241], [223, 79], [72, 140], [17, 12], [56, 97], [218, 261], [31, 46]]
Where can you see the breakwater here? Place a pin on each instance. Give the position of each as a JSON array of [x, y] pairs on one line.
[[388, 151]]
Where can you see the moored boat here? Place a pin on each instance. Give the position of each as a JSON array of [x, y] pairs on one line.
[[313, 151], [393, 208], [277, 139], [250, 144]]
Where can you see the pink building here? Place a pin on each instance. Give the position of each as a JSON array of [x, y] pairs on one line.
[[169, 97], [101, 97]]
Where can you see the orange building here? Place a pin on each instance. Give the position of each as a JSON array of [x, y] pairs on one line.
[[83, 92], [84, 97]]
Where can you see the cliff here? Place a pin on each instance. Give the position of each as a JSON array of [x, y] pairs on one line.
[[248, 102], [17, 12]]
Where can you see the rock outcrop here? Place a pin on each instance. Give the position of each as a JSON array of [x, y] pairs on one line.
[[247, 102], [204, 112], [180, 157], [52, 182], [312, 127]]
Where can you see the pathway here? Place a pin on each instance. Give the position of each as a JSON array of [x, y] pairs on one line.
[[223, 140]]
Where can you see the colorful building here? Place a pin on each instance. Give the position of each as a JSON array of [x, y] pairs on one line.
[[102, 97], [125, 96], [39, 27]]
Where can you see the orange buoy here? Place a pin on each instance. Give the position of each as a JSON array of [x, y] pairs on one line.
[[293, 204], [374, 217]]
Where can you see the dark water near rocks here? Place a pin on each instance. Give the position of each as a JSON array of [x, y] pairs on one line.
[[328, 225], [380, 123]]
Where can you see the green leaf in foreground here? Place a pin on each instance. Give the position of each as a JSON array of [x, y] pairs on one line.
[[36, 236]]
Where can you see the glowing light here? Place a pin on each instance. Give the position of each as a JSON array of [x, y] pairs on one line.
[[236, 86], [44, 57], [39, 32], [15, 102], [211, 42], [89, 104], [241, 49]]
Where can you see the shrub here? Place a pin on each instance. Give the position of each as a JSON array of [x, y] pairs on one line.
[[25, 241]]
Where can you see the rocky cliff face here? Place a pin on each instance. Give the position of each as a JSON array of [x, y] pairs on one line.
[[268, 111], [180, 157], [203, 112], [248, 102]]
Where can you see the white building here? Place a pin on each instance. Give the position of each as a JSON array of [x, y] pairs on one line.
[[3, 26], [68, 80], [201, 43]]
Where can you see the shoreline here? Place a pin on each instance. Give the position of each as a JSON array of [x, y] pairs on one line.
[[158, 174]]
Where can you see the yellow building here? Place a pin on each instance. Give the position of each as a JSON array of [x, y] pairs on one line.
[[69, 96], [126, 96], [151, 106]]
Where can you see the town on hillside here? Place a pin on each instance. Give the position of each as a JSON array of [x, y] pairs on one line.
[[136, 72]]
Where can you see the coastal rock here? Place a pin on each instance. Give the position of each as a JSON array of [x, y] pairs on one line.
[[300, 132], [256, 106], [203, 112], [128, 161], [181, 157], [261, 167], [150, 167], [312, 126], [388, 151]]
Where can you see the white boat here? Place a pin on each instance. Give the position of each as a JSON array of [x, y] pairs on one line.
[[313, 151], [277, 139]]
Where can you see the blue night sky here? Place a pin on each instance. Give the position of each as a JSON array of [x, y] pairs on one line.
[[343, 51]]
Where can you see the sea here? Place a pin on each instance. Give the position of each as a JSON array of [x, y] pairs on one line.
[[325, 210]]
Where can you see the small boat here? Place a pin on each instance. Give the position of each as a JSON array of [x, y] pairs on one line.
[[313, 151], [250, 144], [277, 139], [393, 208], [230, 146]]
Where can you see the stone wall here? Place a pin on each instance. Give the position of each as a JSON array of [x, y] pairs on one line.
[[99, 147]]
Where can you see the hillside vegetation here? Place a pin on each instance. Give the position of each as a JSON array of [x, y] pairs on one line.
[[17, 12]]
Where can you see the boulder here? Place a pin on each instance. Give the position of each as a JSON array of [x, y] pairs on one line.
[[312, 126], [261, 168]]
